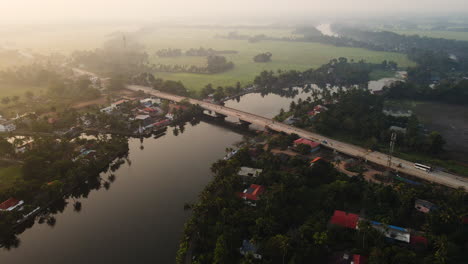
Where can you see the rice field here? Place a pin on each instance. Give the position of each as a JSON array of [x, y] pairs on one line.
[[286, 55]]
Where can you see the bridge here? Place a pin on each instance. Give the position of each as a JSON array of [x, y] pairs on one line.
[[379, 158]]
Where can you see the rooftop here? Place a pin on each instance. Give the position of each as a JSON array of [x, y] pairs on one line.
[[304, 141], [10, 204], [253, 192], [252, 172], [344, 219]]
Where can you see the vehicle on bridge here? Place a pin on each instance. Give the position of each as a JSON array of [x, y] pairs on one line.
[[423, 167]]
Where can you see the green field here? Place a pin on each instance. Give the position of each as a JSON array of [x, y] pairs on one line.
[[286, 55], [9, 176], [435, 34], [19, 90]]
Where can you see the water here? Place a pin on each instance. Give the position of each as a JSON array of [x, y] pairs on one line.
[[326, 30], [267, 106], [140, 218]]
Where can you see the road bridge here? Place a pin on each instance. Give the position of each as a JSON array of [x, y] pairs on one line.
[[379, 158]]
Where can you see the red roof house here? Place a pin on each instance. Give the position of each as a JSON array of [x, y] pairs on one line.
[[252, 193], [358, 259], [418, 240], [465, 220], [161, 123], [10, 204], [314, 145], [345, 219]]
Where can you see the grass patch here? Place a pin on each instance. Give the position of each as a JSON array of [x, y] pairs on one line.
[[379, 74], [10, 177], [19, 90], [449, 165], [286, 55]]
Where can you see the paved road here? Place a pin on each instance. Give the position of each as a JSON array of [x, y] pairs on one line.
[[407, 167]]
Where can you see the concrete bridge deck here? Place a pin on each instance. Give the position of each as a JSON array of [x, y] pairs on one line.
[[379, 158]]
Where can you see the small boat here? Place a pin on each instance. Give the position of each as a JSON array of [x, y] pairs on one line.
[[231, 154]]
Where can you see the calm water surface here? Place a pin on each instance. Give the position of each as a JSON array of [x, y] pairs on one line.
[[140, 218]]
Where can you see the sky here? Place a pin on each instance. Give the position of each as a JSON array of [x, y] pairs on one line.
[[23, 11]]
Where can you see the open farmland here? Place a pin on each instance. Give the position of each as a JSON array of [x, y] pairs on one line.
[[18, 90], [436, 34], [286, 55]]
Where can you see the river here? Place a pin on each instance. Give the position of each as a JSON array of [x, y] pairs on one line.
[[140, 218]]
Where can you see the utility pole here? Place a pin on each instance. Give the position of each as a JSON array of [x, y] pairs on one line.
[[392, 147]]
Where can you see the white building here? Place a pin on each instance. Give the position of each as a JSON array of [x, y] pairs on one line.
[[107, 110], [150, 101], [7, 127], [249, 172]]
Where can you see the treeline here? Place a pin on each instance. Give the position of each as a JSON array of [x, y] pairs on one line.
[[215, 64], [50, 177], [290, 222], [169, 86], [338, 72], [437, 58], [220, 92], [116, 56], [263, 57], [390, 41], [201, 52], [447, 91]]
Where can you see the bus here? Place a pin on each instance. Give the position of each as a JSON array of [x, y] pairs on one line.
[[423, 167]]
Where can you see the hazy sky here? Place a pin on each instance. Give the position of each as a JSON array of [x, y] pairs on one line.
[[66, 10]]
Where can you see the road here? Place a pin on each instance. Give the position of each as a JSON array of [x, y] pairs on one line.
[[407, 167]]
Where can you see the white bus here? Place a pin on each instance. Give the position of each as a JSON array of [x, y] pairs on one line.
[[423, 167]]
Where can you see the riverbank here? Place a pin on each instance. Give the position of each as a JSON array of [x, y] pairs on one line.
[[285, 213]]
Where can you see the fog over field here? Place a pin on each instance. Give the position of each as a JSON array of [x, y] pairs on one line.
[[23, 11]]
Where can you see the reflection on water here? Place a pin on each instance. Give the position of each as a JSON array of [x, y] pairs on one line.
[[140, 217], [267, 105], [137, 215]]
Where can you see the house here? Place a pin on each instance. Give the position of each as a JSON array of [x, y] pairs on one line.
[[24, 146], [107, 110], [343, 219], [10, 205], [8, 126], [397, 112], [347, 258], [392, 232], [145, 119], [320, 108], [252, 193], [359, 259], [249, 248], [162, 123], [118, 103], [174, 107], [85, 154], [313, 145], [249, 172], [51, 120], [418, 240], [424, 206], [148, 102], [170, 116], [312, 162]]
